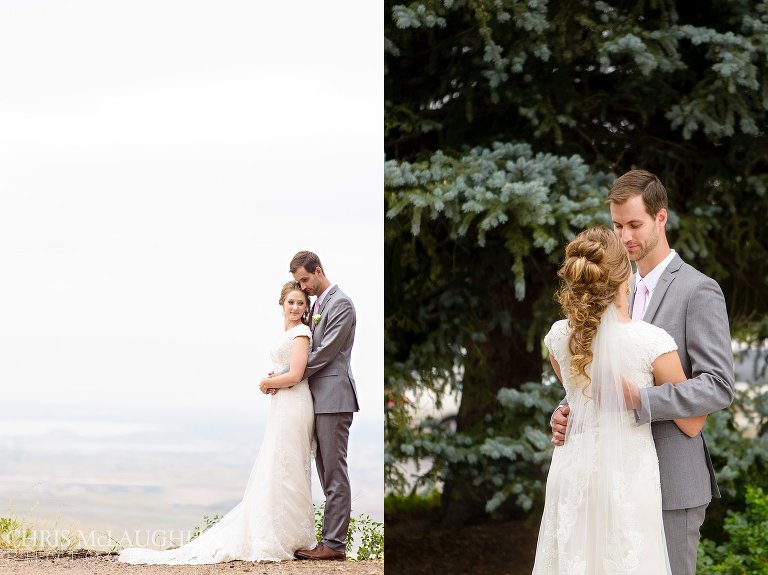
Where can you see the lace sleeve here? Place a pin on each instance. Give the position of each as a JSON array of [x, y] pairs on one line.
[[301, 330], [556, 340], [656, 342]]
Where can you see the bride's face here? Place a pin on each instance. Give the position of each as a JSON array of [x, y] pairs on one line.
[[294, 305], [623, 293]]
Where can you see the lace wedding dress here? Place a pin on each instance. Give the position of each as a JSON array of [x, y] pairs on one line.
[[602, 513], [275, 516]]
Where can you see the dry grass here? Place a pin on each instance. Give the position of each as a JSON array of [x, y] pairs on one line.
[[85, 562]]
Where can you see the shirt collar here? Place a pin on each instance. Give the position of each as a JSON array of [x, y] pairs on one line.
[[652, 277], [321, 297]]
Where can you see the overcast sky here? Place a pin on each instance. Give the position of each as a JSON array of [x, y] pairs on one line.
[[160, 164]]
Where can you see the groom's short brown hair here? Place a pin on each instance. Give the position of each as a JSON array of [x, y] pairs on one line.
[[636, 183], [307, 260]]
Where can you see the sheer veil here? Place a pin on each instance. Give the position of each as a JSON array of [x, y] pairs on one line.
[[602, 431]]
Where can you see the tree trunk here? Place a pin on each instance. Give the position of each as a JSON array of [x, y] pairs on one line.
[[501, 361]]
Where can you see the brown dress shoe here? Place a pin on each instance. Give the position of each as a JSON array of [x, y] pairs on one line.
[[320, 553]]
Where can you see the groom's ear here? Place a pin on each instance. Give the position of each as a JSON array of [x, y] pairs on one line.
[[662, 216]]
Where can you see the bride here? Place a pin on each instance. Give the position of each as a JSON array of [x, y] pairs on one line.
[[275, 516], [602, 512]]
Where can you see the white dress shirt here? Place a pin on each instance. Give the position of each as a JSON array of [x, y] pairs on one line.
[[651, 279]]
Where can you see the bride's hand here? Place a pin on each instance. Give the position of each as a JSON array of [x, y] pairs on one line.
[[264, 386]]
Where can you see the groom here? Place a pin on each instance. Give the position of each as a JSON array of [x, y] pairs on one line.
[[332, 321], [690, 306]]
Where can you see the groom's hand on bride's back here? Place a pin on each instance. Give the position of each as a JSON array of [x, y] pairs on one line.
[[558, 422]]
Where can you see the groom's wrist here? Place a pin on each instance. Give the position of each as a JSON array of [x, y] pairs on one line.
[[643, 411]]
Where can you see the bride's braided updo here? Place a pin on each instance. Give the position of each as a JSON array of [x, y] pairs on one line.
[[596, 267]]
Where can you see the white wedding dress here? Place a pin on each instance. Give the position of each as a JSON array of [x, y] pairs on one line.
[[275, 516], [602, 513]]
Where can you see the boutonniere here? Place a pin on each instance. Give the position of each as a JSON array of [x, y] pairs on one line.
[[316, 319]]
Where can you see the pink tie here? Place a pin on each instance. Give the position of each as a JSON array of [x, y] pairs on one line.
[[638, 308]]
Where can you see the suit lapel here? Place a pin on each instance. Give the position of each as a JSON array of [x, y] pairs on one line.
[[662, 286], [318, 333], [327, 298]]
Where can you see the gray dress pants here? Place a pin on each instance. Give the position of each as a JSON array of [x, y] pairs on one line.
[[681, 528], [332, 434]]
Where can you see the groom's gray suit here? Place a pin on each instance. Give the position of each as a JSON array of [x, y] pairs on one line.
[[691, 308], [335, 398]]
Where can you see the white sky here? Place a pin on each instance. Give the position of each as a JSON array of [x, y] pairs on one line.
[[160, 163]]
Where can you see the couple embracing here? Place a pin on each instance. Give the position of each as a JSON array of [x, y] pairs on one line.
[[643, 358], [313, 398]]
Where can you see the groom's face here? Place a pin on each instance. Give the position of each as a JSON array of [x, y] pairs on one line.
[[309, 282], [636, 228]]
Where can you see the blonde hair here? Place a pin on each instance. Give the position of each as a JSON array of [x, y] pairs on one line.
[[596, 267], [295, 286]]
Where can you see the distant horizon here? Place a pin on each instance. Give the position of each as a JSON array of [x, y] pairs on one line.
[[144, 472]]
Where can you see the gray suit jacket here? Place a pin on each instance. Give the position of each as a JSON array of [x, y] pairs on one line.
[[691, 308], [328, 366]]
